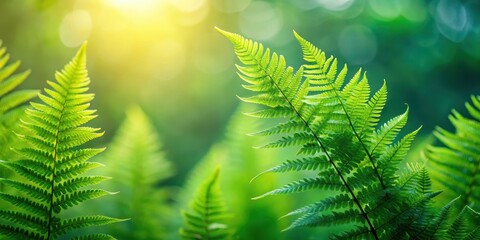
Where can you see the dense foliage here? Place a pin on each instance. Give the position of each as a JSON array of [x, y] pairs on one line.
[[335, 127]]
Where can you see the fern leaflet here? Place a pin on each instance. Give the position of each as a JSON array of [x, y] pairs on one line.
[[53, 163]]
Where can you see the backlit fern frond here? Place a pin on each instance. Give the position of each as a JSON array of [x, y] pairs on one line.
[[11, 101], [54, 162], [456, 164], [137, 165], [335, 127], [208, 216]]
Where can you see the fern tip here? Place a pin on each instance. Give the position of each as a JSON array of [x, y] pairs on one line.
[[286, 229], [84, 45], [262, 196], [295, 33], [260, 174], [256, 198], [418, 129], [298, 37], [230, 36], [218, 29], [81, 53], [123, 219]]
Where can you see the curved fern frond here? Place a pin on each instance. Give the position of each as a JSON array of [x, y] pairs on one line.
[[336, 128], [208, 217], [456, 164], [137, 165], [11, 102], [54, 161]]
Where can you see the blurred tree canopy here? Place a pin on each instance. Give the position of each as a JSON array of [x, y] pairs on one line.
[[165, 56]]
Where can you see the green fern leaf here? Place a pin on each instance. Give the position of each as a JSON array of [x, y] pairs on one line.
[[456, 165], [137, 165], [447, 225], [336, 126], [239, 162], [54, 161], [207, 217], [9, 99], [11, 106]]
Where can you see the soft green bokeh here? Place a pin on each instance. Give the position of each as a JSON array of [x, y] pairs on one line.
[[165, 55]]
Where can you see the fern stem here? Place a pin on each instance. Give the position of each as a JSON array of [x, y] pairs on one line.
[[370, 157], [206, 202], [337, 170], [54, 170], [52, 193]]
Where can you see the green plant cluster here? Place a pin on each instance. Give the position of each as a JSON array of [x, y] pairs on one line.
[[355, 163]]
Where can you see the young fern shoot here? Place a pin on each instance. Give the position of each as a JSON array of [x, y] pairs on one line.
[[137, 165], [336, 128], [54, 162], [208, 215]]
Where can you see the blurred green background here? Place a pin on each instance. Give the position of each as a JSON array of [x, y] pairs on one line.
[[165, 56]]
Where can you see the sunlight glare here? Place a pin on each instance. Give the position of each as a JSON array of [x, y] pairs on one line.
[[134, 5], [75, 28]]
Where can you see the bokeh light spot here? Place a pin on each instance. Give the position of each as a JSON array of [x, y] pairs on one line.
[[335, 5], [260, 21], [414, 10], [305, 4], [452, 20], [358, 44], [75, 28], [385, 10], [471, 43], [188, 5], [194, 17], [134, 6], [230, 6]]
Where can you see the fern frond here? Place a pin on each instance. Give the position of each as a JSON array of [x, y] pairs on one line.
[[54, 159], [336, 127], [12, 106], [208, 217], [9, 99], [456, 164], [446, 224], [137, 166], [239, 162]]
